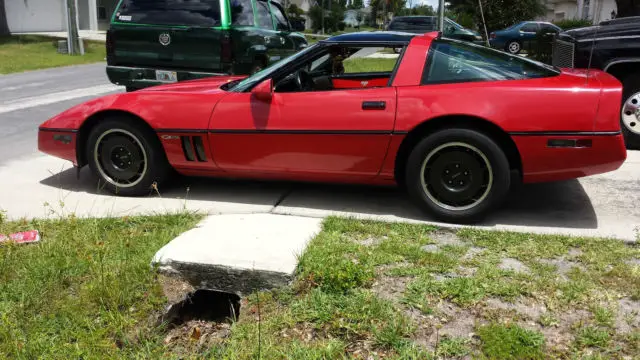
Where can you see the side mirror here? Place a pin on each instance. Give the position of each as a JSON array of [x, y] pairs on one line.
[[263, 91], [298, 24]]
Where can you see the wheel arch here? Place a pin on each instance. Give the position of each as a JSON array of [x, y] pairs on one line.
[[484, 126], [620, 68], [94, 119]]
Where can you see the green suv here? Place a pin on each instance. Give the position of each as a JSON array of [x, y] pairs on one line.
[[152, 42]]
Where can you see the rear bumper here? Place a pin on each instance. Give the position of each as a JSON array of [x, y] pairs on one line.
[[60, 143], [142, 77], [543, 160]]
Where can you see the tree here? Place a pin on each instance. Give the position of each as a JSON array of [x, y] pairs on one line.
[[4, 26], [498, 14], [294, 12], [356, 4], [628, 8]]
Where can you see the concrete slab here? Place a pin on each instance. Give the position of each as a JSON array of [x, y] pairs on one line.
[[43, 186], [239, 253]]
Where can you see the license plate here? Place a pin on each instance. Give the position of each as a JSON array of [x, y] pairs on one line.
[[166, 76]]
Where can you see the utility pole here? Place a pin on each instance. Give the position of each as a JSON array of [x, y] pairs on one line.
[[441, 15], [73, 39]]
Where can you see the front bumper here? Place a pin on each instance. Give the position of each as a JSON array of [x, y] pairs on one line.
[[542, 161], [61, 143]]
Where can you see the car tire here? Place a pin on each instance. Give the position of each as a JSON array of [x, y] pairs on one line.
[[127, 157], [513, 47], [630, 119], [457, 175]]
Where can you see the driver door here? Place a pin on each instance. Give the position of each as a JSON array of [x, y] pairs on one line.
[[320, 135]]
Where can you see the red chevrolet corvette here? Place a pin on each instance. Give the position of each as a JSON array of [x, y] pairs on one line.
[[453, 123]]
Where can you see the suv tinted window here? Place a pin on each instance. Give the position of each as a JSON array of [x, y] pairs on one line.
[[241, 12], [449, 62], [263, 14], [281, 20], [170, 12], [413, 24]]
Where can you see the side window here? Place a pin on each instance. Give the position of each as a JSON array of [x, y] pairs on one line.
[[281, 21], [451, 62], [369, 60], [529, 27], [263, 14], [548, 28], [170, 12], [241, 12]]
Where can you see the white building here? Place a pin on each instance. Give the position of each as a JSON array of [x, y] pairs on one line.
[[51, 15], [594, 10]]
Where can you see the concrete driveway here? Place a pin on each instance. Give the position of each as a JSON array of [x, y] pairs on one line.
[[603, 205]]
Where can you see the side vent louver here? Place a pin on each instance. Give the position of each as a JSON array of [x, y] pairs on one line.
[[191, 143]]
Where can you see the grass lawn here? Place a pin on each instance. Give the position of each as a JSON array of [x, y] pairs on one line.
[[364, 64], [363, 290], [27, 52]]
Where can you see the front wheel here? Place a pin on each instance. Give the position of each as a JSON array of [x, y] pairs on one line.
[[126, 157], [630, 113], [457, 175]]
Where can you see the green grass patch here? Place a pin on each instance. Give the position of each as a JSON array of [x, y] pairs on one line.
[[83, 288], [510, 342], [28, 52], [363, 64], [592, 336]]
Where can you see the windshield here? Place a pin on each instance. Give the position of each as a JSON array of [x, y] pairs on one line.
[[455, 24], [266, 72]]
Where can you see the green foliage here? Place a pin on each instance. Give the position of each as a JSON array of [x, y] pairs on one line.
[[356, 4], [498, 14], [568, 24], [294, 12], [511, 342], [333, 17], [591, 336]]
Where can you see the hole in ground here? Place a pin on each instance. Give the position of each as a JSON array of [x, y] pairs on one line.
[[206, 305]]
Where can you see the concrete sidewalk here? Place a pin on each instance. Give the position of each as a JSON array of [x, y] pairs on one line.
[[84, 34]]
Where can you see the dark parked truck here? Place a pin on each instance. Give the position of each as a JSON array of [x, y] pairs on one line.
[[615, 45], [153, 42]]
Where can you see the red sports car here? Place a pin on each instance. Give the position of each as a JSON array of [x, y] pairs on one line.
[[453, 123]]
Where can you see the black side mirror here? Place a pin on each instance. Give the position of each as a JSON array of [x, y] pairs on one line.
[[298, 24]]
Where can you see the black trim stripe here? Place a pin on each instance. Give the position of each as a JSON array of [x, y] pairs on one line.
[[285, 132], [565, 133], [190, 131], [58, 130]]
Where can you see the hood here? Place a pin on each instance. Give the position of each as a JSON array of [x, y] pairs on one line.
[[204, 85]]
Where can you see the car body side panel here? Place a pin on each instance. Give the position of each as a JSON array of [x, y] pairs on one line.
[[515, 105], [300, 133]]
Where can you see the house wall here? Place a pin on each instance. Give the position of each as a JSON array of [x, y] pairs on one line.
[[35, 15]]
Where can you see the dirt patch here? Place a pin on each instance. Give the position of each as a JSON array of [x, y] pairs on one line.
[[174, 288], [371, 241], [574, 252], [447, 321], [563, 266], [558, 336], [513, 265], [446, 238], [430, 248], [472, 252], [628, 316], [525, 307], [197, 334], [633, 262], [390, 287]]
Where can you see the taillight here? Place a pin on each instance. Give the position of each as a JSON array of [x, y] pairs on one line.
[[492, 36], [226, 52]]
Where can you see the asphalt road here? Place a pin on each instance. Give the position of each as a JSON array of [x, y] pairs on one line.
[[28, 99], [37, 185]]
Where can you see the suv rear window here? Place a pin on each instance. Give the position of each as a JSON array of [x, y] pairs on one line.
[[423, 24], [170, 12]]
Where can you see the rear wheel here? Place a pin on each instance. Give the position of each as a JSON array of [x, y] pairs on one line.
[[127, 158], [513, 47], [630, 113], [457, 175]]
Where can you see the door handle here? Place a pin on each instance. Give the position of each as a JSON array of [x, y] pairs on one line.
[[374, 105]]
